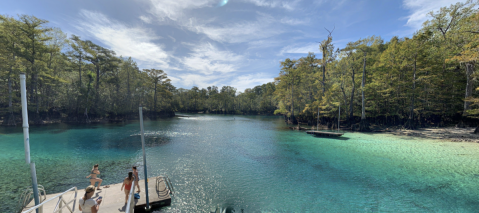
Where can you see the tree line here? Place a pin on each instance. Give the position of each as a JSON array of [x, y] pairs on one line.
[[72, 78], [425, 80], [79, 81]]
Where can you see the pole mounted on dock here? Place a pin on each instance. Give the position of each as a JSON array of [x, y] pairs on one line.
[[26, 139], [144, 157]]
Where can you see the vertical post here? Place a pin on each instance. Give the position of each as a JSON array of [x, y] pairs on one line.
[[144, 157], [26, 139], [26, 135], [60, 205], [36, 196]]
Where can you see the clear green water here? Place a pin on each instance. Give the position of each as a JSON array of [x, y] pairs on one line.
[[252, 163]]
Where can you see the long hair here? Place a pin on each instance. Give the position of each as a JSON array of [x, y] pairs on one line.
[[130, 176], [88, 189]]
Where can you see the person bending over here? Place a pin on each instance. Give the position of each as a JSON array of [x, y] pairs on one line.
[[93, 176]]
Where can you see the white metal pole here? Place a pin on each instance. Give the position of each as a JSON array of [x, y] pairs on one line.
[[339, 117], [26, 138], [26, 142], [144, 157]]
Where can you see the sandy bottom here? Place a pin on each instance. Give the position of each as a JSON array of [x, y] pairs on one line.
[[451, 134]]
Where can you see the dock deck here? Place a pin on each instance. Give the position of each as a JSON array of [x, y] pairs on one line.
[[114, 198], [325, 134]]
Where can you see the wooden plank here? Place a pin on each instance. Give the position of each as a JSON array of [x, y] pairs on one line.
[[114, 198]]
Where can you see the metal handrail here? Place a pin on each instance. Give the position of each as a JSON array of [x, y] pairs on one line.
[[130, 206], [168, 184], [26, 195], [59, 204]]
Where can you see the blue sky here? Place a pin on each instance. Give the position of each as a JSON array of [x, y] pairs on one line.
[[224, 42]]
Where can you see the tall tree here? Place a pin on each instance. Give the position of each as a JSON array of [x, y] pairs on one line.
[[33, 46], [158, 78]]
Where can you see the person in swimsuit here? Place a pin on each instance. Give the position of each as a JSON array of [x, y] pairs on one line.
[[93, 177], [135, 174], [127, 182]]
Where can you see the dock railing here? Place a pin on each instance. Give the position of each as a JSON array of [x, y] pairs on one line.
[[59, 207], [26, 197], [167, 183], [130, 206]]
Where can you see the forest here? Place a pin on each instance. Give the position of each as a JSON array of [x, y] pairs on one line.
[[428, 79]]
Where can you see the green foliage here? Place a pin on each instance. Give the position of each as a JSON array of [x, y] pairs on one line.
[[422, 80]]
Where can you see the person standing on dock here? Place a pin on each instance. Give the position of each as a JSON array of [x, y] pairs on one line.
[[127, 182], [135, 174], [93, 177], [86, 204]]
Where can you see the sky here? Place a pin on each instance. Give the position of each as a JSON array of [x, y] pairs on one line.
[[238, 43]]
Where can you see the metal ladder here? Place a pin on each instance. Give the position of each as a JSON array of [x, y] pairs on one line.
[[168, 184], [26, 197]]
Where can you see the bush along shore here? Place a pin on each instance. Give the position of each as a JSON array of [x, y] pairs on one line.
[[57, 117]]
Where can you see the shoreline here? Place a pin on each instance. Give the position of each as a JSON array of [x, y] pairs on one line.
[[451, 134], [448, 134]]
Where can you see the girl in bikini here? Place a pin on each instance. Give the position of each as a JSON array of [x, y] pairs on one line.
[[135, 173], [93, 179], [127, 182]]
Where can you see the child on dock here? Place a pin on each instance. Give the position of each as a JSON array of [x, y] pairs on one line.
[[93, 178], [135, 174]]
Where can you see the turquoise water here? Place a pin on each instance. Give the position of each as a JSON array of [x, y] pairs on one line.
[[252, 163]]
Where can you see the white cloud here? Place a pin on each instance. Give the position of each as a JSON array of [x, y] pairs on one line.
[[177, 9], [420, 9], [146, 19], [288, 5], [136, 42], [251, 80], [179, 13], [207, 59], [239, 32], [264, 43], [201, 81], [292, 21], [300, 48], [240, 81]]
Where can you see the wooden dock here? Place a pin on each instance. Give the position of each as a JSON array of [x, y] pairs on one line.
[[325, 134], [114, 198]]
